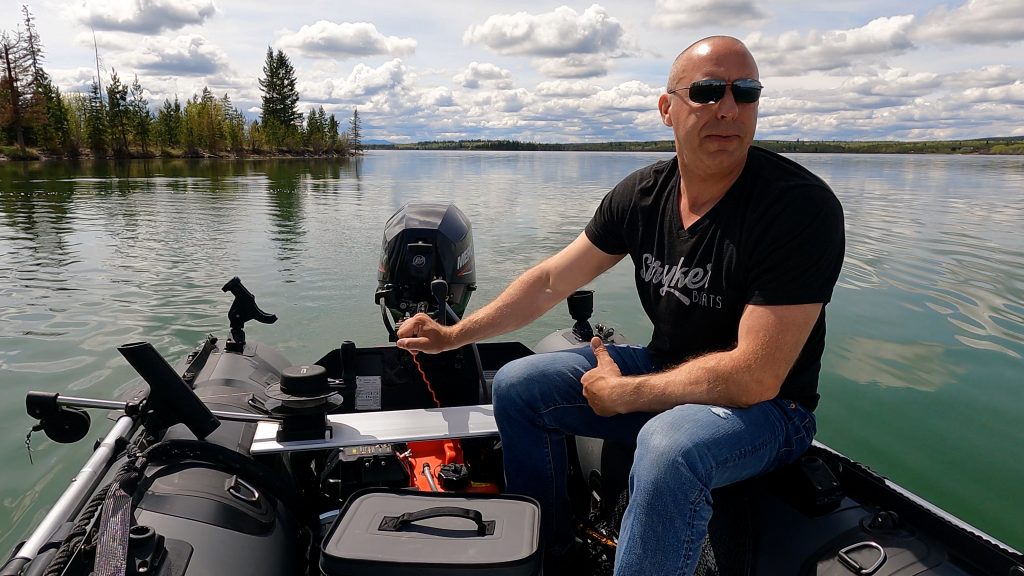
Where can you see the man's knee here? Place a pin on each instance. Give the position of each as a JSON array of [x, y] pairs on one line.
[[538, 378], [666, 448], [511, 380]]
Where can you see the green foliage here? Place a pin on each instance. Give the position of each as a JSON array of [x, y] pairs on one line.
[[979, 146], [281, 115], [140, 119], [118, 115], [655, 146], [234, 126], [15, 86], [76, 109], [169, 123], [14, 153], [118, 120], [355, 138], [316, 136], [96, 122], [54, 131]]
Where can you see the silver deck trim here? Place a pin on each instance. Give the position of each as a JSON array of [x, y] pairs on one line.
[[363, 428]]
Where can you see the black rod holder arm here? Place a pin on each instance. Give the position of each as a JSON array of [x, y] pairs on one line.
[[243, 309]]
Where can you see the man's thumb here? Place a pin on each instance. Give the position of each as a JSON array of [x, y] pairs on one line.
[[600, 352]]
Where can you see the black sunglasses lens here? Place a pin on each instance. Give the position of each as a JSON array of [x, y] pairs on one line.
[[746, 91], [705, 91]]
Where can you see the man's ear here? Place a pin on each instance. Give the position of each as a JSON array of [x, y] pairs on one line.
[[663, 105]]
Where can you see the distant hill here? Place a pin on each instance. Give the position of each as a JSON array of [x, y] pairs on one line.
[[994, 145]]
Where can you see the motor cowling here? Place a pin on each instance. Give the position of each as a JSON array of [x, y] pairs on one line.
[[424, 242]]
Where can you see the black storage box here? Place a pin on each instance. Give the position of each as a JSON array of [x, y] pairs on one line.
[[385, 532]]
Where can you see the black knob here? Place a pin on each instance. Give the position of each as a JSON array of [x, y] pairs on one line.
[[304, 380], [581, 305], [348, 363]]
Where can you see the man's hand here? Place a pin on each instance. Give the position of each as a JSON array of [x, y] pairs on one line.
[[422, 334], [602, 385]]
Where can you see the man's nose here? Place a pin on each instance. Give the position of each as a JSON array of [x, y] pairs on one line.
[[726, 108]]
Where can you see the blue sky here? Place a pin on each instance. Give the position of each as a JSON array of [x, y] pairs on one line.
[[563, 72]]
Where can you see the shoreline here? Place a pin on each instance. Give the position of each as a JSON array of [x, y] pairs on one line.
[[996, 146]]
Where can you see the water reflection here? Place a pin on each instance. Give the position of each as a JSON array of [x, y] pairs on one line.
[[921, 365], [935, 234], [285, 209]]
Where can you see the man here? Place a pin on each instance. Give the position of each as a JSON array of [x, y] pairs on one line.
[[736, 252]]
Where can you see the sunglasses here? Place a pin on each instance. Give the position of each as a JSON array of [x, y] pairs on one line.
[[745, 90]]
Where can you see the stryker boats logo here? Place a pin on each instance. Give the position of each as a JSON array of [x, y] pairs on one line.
[[686, 284]]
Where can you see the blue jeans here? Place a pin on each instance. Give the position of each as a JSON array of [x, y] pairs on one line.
[[681, 454]]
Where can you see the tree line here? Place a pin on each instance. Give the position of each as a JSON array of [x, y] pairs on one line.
[[118, 121], [1007, 145]]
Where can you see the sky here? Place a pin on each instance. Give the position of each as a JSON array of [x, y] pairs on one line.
[[560, 71]]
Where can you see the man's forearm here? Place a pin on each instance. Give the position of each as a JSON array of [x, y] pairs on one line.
[[769, 341], [719, 378], [522, 302]]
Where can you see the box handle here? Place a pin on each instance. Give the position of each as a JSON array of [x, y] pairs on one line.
[[397, 523]]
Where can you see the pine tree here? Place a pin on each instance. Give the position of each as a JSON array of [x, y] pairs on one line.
[[332, 134], [34, 80], [15, 76], [211, 122], [168, 124], [234, 126], [255, 136], [31, 104], [316, 130], [55, 135], [355, 138], [33, 47], [96, 122], [280, 97], [139, 116], [117, 115]]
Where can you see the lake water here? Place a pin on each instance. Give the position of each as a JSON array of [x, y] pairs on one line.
[[923, 375]]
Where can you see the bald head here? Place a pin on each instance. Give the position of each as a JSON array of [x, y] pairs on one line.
[[690, 60]]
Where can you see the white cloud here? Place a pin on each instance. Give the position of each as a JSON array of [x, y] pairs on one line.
[[345, 40], [1008, 94], [362, 83], [986, 76], [74, 80], [676, 14], [632, 96], [438, 97], [566, 89], [507, 101], [552, 34], [894, 82], [489, 74], [186, 55], [574, 66], [793, 53], [975, 22], [834, 71], [144, 16]]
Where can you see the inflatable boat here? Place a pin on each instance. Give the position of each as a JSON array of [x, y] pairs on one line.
[[370, 460]]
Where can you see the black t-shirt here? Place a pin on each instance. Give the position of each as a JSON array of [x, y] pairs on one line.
[[775, 238]]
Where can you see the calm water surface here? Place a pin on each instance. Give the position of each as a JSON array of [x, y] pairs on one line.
[[923, 376]]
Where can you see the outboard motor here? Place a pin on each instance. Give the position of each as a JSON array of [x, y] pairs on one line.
[[426, 263]]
